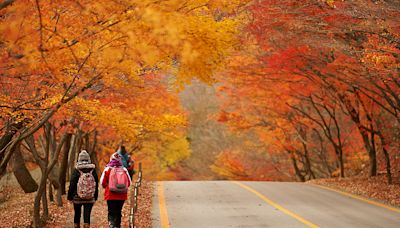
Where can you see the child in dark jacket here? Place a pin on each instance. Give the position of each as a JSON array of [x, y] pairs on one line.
[[83, 188], [115, 200]]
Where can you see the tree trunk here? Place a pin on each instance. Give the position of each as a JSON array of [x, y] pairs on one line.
[[86, 142], [46, 168], [5, 140], [54, 175], [388, 166], [64, 163], [95, 161], [54, 182], [6, 3], [372, 157], [74, 153], [355, 116], [70, 152], [308, 162], [322, 154], [51, 196], [371, 153], [387, 159], [45, 205], [59, 198], [93, 153], [299, 175], [21, 173], [37, 222], [341, 163]]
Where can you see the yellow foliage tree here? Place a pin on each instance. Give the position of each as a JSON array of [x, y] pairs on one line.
[[55, 51]]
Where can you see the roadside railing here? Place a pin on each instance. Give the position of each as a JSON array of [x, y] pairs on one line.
[[134, 198]]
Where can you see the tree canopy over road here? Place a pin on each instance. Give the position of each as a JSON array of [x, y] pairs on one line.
[[199, 89]]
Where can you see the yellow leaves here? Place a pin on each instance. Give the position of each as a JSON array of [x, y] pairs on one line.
[[125, 41], [195, 44], [188, 54], [172, 121], [174, 37], [52, 100], [331, 3], [380, 53], [153, 16], [175, 151], [379, 59], [128, 122]]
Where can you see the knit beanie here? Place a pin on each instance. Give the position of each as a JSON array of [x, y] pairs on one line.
[[84, 157], [115, 160], [116, 156]]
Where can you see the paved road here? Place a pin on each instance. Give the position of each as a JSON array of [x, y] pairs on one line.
[[209, 204]]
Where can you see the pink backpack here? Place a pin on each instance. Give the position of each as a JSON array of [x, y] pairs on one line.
[[86, 185], [118, 181]]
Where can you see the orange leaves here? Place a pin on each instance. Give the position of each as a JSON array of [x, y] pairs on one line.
[[108, 60], [229, 165], [223, 116]]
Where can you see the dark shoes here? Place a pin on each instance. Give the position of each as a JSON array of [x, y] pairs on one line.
[[112, 224], [85, 225]]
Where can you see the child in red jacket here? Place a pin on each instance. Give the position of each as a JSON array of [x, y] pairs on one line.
[[115, 197]]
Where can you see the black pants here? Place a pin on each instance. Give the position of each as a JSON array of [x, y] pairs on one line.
[[87, 209], [115, 212]]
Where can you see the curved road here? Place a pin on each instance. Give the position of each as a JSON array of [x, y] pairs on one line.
[[190, 204]]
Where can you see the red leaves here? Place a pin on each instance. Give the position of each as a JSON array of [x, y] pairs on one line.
[[289, 59], [223, 117]]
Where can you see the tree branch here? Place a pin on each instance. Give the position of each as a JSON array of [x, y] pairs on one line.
[[6, 3]]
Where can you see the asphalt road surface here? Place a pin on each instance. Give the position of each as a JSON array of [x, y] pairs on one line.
[[190, 204]]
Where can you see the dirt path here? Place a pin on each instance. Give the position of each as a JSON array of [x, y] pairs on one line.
[[16, 211], [99, 214]]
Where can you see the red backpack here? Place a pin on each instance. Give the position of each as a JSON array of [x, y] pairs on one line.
[[118, 181], [86, 185]]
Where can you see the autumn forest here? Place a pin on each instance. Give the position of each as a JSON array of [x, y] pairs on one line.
[[199, 89]]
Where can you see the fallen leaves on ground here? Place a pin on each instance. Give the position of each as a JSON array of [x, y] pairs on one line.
[[143, 217], [17, 210], [375, 188]]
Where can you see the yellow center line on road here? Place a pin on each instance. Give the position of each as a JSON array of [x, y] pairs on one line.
[[277, 206], [359, 198], [163, 208]]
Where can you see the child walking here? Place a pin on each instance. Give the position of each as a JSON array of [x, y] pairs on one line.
[[116, 181], [83, 189], [126, 160]]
